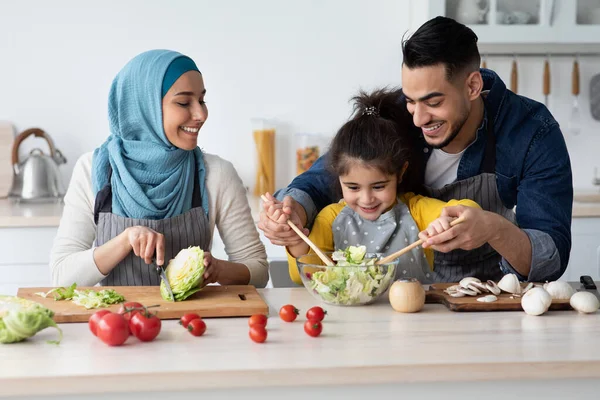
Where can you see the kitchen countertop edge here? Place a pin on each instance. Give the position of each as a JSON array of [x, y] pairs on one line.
[[397, 374]]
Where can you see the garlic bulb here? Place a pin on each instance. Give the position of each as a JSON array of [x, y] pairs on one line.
[[559, 290], [584, 302], [510, 283], [536, 301]]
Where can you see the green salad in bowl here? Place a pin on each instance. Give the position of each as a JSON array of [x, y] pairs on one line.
[[353, 280]]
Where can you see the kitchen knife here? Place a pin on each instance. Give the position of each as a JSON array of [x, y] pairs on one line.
[[161, 272], [588, 285]]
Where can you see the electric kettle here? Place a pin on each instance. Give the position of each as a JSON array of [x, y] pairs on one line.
[[37, 178]]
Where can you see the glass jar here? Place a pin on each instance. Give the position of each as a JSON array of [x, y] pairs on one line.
[[308, 150]]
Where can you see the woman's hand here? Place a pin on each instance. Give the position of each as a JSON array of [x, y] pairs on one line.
[[212, 269], [145, 242]]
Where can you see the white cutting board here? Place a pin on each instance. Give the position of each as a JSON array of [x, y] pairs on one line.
[[7, 136]]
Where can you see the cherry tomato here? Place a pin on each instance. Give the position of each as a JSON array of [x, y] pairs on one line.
[[313, 328], [258, 333], [128, 306], [258, 320], [185, 320], [95, 318], [197, 327], [113, 329], [145, 326], [288, 313], [316, 314]]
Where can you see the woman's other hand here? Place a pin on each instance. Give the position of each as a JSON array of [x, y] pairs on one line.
[[212, 269], [145, 243]]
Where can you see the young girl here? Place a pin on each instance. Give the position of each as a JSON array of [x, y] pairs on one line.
[[150, 191], [372, 156]]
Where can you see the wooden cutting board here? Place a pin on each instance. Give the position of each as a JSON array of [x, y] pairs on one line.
[[212, 301], [436, 294]]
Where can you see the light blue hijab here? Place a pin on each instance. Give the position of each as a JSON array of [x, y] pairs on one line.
[[151, 178]]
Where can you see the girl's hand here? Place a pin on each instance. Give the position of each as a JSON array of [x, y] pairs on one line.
[[274, 217], [145, 242], [440, 225], [212, 269]]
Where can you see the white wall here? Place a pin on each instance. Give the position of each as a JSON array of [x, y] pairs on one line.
[[295, 61]]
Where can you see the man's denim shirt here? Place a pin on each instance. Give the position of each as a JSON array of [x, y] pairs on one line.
[[533, 172]]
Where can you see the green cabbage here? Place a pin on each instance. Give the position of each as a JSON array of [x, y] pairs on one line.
[[97, 298], [87, 298], [185, 274], [21, 319], [354, 280]]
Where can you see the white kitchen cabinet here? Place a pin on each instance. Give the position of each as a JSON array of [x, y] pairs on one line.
[[518, 21], [25, 257], [585, 250]]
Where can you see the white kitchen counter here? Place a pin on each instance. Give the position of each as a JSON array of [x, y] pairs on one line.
[[363, 352], [23, 215]]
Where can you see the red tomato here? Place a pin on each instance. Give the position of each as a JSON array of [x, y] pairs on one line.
[[113, 329], [316, 314], [128, 314], [288, 313], [95, 318], [313, 328], [185, 320], [145, 326], [197, 327], [258, 333], [258, 319]]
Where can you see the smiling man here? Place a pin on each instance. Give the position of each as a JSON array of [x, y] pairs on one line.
[[480, 142]]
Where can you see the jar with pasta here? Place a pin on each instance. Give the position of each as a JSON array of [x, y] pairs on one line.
[[263, 132], [307, 151]]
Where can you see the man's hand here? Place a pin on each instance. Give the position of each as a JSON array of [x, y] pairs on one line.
[[470, 234], [274, 217]]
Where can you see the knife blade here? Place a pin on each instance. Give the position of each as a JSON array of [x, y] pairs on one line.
[[588, 285], [161, 272]]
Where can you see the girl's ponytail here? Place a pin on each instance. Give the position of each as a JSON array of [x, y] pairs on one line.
[[381, 134]]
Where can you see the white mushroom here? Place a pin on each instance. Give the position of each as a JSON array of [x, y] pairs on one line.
[[452, 288], [480, 286], [510, 284], [493, 288], [468, 292], [456, 294], [559, 290], [487, 299], [536, 301], [584, 302], [529, 286], [474, 288], [464, 282]]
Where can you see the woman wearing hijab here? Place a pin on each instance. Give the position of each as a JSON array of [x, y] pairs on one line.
[[149, 191]]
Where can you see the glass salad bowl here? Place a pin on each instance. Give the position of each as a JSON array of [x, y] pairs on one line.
[[348, 283]]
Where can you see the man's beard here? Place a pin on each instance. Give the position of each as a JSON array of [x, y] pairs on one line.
[[453, 134]]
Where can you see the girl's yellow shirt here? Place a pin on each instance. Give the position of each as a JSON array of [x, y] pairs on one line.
[[424, 210]]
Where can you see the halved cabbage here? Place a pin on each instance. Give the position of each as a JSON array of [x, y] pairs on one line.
[[185, 274], [21, 319]]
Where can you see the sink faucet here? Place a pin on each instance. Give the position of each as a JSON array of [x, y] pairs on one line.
[[596, 179]]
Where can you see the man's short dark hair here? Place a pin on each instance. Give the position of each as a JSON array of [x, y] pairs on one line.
[[442, 40]]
